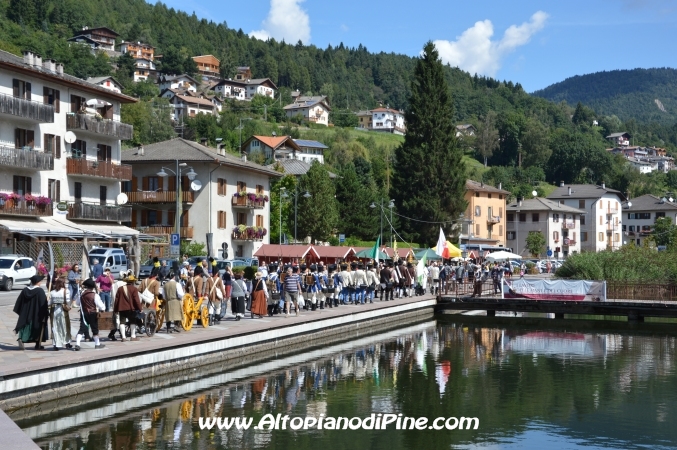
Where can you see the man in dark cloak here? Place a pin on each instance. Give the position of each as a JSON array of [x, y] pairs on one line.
[[31, 306]]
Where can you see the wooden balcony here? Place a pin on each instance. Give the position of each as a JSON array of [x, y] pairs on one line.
[[569, 225], [159, 196], [26, 158], [106, 127], [103, 169], [23, 208], [186, 232], [613, 210], [494, 219], [106, 213], [568, 242], [249, 234], [26, 109], [245, 202]]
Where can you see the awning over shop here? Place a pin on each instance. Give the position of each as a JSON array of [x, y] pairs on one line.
[[114, 231], [45, 227]]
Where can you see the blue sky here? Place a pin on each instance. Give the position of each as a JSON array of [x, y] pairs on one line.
[[536, 43]]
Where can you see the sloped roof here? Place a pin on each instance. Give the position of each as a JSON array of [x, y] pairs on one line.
[[97, 80], [307, 102], [649, 203], [285, 251], [310, 144], [189, 151], [295, 167], [274, 141], [476, 186], [582, 191], [194, 100], [394, 111], [13, 62], [89, 30], [330, 251], [165, 78], [543, 204], [615, 135]]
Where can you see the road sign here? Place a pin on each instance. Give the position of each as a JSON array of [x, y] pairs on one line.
[[342, 238], [549, 253], [175, 244]]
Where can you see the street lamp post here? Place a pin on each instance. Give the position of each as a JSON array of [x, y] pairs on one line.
[[391, 205], [191, 174], [296, 197], [282, 188]]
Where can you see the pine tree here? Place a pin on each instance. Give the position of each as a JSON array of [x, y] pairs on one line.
[[429, 179], [354, 197], [317, 214]]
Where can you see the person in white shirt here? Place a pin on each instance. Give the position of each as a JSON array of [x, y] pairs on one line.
[[435, 276], [360, 283], [89, 302]]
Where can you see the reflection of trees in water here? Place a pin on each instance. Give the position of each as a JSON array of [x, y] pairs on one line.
[[454, 370]]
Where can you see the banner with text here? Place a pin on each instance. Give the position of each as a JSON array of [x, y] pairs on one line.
[[571, 290]]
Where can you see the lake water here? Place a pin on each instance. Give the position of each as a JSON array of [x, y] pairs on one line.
[[532, 383]]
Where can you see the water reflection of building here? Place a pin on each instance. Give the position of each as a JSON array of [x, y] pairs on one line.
[[564, 344]]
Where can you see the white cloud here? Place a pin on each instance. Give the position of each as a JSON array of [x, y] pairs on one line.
[[475, 52], [286, 20]]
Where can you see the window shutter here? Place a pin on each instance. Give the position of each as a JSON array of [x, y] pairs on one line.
[[28, 91], [17, 138], [134, 218], [172, 184], [15, 87], [144, 218], [184, 219], [109, 153], [30, 138], [160, 181], [58, 191], [135, 184], [57, 149], [171, 217], [84, 149], [57, 101], [144, 180], [185, 184], [29, 185], [74, 108], [45, 95]]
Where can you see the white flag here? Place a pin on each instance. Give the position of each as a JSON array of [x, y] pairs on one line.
[[441, 244]]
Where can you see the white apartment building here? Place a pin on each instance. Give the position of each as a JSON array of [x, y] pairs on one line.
[[313, 109], [177, 82], [640, 215], [558, 223], [388, 120], [41, 108], [232, 201], [245, 89], [601, 226]]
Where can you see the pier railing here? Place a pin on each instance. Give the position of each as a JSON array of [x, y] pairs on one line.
[[641, 291]]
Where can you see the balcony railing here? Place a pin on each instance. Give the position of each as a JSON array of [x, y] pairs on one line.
[[494, 219], [613, 210], [107, 127], [24, 208], [248, 233], [568, 242], [159, 196], [186, 232], [569, 225], [27, 109], [246, 202], [107, 213], [105, 169], [26, 158]]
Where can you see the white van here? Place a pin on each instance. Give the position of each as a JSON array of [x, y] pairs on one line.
[[113, 258]]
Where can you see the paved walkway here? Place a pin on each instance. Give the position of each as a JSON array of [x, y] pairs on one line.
[[13, 361]]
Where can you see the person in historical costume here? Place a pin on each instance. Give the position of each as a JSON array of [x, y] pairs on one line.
[[321, 285], [74, 280], [216, 293], [346, 281], [401, 278], [372, 282], [360, 283], [114, 290], [90, 304], [173, 293], [259, 296], [31, 306], [237, 296], [386, 278], [152, 285], [60, 302], [273, 285], [127, 304]]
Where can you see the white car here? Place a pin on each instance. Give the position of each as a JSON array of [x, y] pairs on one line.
[[15, 269]]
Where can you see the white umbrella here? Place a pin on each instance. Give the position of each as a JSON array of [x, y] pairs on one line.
[[502, 256], [97, 103]]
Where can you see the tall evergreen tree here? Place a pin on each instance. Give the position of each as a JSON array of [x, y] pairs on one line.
[[429, 179], [317, 214], [354, 196]]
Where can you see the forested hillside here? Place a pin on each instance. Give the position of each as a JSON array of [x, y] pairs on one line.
[[628, 94]]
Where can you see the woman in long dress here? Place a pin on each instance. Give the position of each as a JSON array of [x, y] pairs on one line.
[[61, 324], [259, 295]]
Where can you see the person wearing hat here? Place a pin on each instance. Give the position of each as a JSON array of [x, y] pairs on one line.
[[152, 285], [259, 296], [372, 281], [386, 277], [332, 298], [90, 303], [321, 285], [185, 270], [127, 304], [346, 281], [121, 281], [292, 289], [173, 293], [31, 306], [238, 294], [216, 293], [360, 283]]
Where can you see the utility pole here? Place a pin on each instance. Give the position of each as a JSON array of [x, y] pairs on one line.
[[265, 113]]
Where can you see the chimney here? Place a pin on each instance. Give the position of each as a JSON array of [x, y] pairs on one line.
[[37, 61], [203, 141], [603, 185], [569, 191], [49, 65], [519, 201], [28, 57], [244, 158], [559, 202], [561, 183], [141, 151], [500, 186], [59, 69]]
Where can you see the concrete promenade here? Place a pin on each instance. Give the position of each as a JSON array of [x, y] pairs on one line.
[[31, 377]]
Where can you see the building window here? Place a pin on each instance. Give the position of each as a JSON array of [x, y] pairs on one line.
[[79, 149], [51, 97], [241, 186], [52, 144], [617, 237], [22, 185], [600, 236], [478, 211], [78, 104], [511, 235], [103, 152], [221, 219], [510, 217], [256, 143], [259, 220], [573, 236], [500, 212], [555, 235], [221, 186], [477, 194], [601, 220], [77, 195], [582, 219], [500, 230], [259, 189], [584, 236], [241, 218], [581, 204], [488, 195], [555, 218], [103, 195], [534, 217], [54, 190], [21, 89], [660, 214], [477, 229], [24, 138], [600, 204], [523, 217]]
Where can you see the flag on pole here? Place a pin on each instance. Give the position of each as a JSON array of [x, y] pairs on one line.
[[375, 251], [441, 248], [420, 271]]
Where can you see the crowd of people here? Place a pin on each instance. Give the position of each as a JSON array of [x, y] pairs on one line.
[[274, 289]]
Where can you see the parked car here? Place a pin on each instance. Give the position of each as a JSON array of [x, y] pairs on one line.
[[113, 258], [147, 267], [15, 269], [554, 265]]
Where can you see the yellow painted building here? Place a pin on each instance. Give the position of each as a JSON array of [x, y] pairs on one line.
[[484, 218]]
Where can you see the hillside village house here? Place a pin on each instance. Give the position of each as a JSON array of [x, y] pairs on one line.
[[232, 202], [109, 83], [365, 120], [190, 106], [103, 37], [640, 215], [558, 223], [39, 104], [484, 218], [144, 58], [313, 109], [207, 65], [388, 120], [245, 89], [621, 139], [601, 225], [465, 129], [284, 147], [177, 82]]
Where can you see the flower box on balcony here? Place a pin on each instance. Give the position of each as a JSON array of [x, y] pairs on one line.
[[245, 233]]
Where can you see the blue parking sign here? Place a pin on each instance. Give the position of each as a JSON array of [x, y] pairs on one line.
[[175, 244]]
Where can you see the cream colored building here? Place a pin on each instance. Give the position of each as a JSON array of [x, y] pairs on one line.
[[484, 218]]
